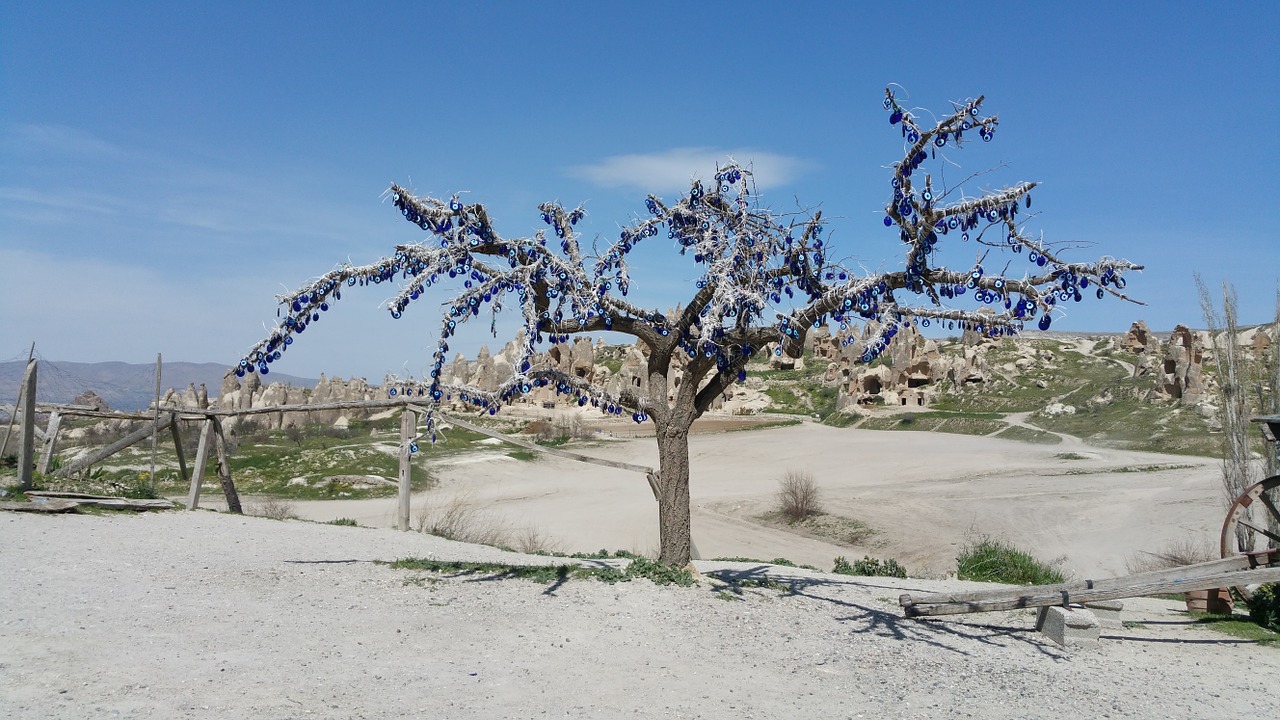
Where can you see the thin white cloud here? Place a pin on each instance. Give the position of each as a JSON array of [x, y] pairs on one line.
[[59, 140], [672, 170]]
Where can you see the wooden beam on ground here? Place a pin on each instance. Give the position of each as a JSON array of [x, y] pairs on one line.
[[1225, 565], [224, 471], [202, 459], [50, 440], [408, 423], [1117, 589], [26, 449], [134, 437]]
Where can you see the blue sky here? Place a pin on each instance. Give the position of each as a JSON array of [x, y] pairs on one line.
[[167, 168]]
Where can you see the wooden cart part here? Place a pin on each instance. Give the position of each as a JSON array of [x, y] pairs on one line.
[[1239, 570]]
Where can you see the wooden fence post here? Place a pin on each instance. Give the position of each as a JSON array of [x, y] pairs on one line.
[[177, 445], [202, 458], [26, 451], [50, 438], [408, 423], [224, 471]]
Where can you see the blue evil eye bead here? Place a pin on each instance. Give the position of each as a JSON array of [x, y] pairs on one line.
[[239, 372], [895, 117], [1033, 256], [1041, 261], [1045, 321], [999, 283], [888, 221], [1084, 282], [455, 205], [888, 103], [1101, 293], [940, 140], [927, 195], [392, 392], [924, 322], [413, 447], [263, 369]]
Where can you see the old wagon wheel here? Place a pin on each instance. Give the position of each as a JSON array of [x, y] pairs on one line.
[[1249, 523]]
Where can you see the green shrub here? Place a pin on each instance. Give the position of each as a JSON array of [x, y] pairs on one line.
[[346, 522], [141, 489], [870, 567], [659, 573], [1264, 606], [989, 560]]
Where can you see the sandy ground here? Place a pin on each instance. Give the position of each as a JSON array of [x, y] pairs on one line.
[[923, 495], [205, 615]]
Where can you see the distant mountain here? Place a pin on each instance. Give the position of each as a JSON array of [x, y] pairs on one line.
[[123, 385]]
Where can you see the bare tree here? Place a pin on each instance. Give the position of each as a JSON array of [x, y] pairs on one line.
[[1230, 367], [764, 278]]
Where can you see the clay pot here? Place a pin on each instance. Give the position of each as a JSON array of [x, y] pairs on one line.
[[1216, 600]]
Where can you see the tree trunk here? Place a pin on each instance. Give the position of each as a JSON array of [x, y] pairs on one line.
[[673, 494]]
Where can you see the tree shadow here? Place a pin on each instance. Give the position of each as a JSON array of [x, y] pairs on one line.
[[950, 635]]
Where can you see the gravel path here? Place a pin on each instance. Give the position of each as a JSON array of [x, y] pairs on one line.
[[204, 615]]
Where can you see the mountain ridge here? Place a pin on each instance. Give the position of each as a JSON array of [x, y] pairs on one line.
[[125, 386]]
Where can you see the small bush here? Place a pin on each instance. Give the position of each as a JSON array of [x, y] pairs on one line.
[[870, 567], [987, 559], [532, 540], [458, 519], [1264, 606], [798, 496], [276, 510], [1176, 553], [346, 522]]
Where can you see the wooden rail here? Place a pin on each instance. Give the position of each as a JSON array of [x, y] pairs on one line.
[[1227, 572]]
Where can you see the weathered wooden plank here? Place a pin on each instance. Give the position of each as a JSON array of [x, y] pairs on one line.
[[26, 448], [104, 501], [13, 412], [151, 474], [177, 446], [202, 459], [408, 423], [115, 447], [50, 441], [224, 471], [67, 495], [129, 503], [1231, 564], [55, 505], [1041, 598]]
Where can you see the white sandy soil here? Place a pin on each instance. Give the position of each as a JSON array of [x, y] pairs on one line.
[[204, 615], [922, 494]]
